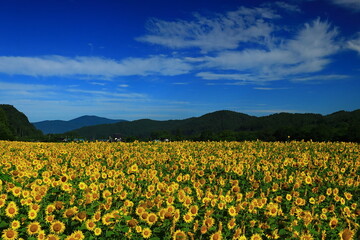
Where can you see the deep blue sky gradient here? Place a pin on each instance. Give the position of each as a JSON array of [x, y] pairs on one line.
[[60, 59]]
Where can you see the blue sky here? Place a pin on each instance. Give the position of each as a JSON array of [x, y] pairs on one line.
[[167, 59]]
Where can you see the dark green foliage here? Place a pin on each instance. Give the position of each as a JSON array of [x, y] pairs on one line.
[[14, 125], [233, 126]]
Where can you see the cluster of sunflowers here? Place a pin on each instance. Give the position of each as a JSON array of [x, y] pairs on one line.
[[179, 190]]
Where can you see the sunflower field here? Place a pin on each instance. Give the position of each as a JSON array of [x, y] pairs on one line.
[[180, 190]]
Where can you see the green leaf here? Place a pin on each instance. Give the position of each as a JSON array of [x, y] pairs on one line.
[[109, 233], [282, 232], [4, 224], [155, 238], [124, 229], [297, 228]]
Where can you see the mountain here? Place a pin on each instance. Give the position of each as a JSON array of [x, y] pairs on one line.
[[59, 126], [14, 125], [229, 125]]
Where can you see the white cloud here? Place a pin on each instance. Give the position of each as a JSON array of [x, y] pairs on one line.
[[63, 66], [319, 78], [287, 6], [307, 52], [354, 44], [350, 4], [6, 86], [220, 32], [269, 88], [108, 94], [226, 76]]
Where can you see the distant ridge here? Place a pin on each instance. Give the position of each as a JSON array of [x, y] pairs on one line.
[[229, 125], [60, 126]]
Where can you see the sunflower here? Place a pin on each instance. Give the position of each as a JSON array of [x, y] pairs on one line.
[[11, 210], [132, 223], [209, 222], [179, 235], [70, 212], [2, 202], [256, 237], [272, 209], [90, 224], [82, 186], [16, 191], [78, 234], [107, 219], [151, 218], [232, 223], [139, 210], [232, 211], [57, 227], [32, 214], [15, 224], [333, 222], [134, 168], [346, 234], [53, 237], [308, 180], [306, 237], [41, 235], [97, 231], [216, 236], [33, 228], [97, 216], [81, 216], [35, 207], [50, 208], [348, 196], [146, 233], [193, 210], [188, 218], [49, 218], [9, 234]]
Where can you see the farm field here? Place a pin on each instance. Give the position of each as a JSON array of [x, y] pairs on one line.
[[180, 190]]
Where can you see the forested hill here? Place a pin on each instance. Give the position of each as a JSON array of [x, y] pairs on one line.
[[229, 125], [14, 125]]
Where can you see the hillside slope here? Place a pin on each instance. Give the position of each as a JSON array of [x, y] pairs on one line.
[[228, 125], [14, 125]]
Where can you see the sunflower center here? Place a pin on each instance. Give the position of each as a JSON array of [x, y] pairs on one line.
[[10, 234], [33, 228], [57, 227], [11, 210]]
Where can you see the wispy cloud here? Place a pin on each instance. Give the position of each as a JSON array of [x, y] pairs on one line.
[[269, 88], [226, 76], [94, 66], [219, 32], [8, 86], [319, 78], [307, 52], [283, 5], [109, 94], [354, 44], [353, 5]]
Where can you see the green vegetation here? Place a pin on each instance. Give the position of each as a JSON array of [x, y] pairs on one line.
[[216, 126], [14, 125], [233, 126]]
